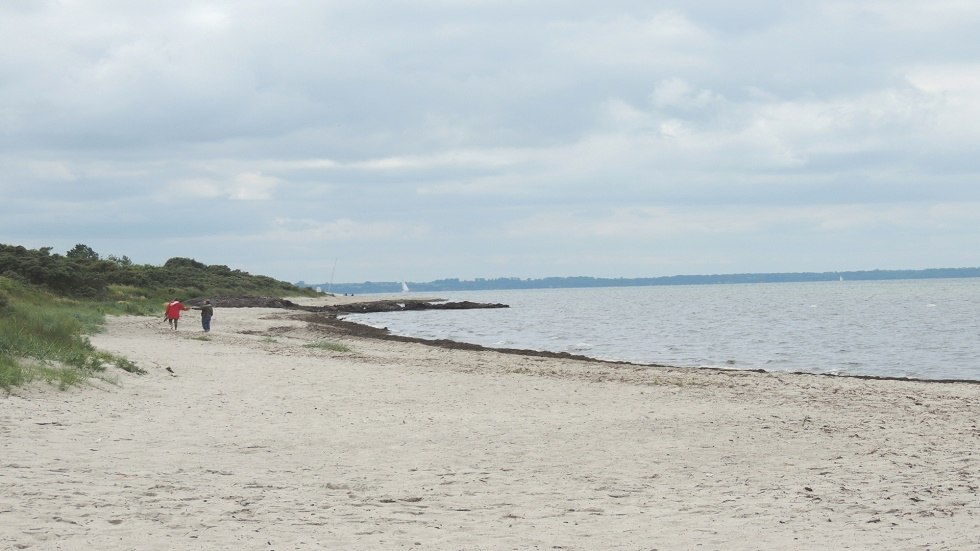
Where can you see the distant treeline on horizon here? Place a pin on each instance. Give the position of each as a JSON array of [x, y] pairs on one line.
[[511, 283]]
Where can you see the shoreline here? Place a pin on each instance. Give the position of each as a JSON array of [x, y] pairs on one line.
[[253, 437], [368, 331]]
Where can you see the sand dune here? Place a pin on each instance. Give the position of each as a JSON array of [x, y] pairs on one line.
[[257, 442]]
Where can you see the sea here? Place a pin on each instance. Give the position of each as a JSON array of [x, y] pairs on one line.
[[922, 328]]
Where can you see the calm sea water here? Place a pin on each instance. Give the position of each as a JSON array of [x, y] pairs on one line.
[[909, 328]]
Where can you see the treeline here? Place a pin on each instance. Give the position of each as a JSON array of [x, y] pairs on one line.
[[83, 273], [508, 283]]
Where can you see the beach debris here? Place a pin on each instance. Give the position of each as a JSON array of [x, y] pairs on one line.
[[371, 306]]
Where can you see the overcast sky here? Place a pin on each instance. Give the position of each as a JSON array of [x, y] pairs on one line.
[[416, 140]]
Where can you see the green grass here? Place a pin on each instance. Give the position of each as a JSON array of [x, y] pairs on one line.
[[43, 337], [50, 302], [11, 372], [327, 345]]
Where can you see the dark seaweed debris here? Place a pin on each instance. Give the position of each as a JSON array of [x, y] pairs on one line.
[[366, 307]]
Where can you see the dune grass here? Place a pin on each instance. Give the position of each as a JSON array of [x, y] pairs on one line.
[[43, 337], [50, 302], [327, 345]]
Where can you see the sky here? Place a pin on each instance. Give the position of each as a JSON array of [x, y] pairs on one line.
[[355, 140]]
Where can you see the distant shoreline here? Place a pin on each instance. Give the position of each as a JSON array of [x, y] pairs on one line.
[[512, 283]]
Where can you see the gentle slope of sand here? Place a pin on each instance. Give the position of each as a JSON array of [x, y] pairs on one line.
[[257, 442]]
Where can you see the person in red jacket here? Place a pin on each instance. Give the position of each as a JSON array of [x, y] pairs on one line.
[[172, 313]]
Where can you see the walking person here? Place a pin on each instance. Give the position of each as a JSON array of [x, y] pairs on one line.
[[207, 312], [172, 313]]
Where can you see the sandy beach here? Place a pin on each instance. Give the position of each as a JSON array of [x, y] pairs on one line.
[[253, 441]]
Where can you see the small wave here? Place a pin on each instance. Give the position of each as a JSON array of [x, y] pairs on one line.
[[581, 346], [867, 329]]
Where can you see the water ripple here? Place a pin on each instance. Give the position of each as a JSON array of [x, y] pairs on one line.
[[916, 328]]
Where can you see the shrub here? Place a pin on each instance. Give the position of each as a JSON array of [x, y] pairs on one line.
[[326, 345]]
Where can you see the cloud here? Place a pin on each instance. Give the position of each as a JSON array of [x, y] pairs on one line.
[[245, 186], [252, 186], [48, 171], [342, 229], [485, 138], [654, 224]]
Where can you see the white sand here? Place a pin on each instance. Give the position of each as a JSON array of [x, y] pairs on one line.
[[258, 443]]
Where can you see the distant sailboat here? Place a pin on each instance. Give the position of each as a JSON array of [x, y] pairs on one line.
[[405, 288]]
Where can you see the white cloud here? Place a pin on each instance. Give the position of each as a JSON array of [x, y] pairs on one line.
[[676, 92], [473, 159], [909, 15], [208, 18], [343, 229], [959, 81], [252, 186], [193, 189], [245, 186], [658, 223], [50, 171], [493, 131], [665, 39]]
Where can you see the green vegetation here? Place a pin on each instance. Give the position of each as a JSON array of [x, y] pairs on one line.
[[326, 345], [42, 337], [50, 302], [82, 273]]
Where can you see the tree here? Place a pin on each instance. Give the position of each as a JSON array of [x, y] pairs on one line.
[[82, 252], [181, 262]]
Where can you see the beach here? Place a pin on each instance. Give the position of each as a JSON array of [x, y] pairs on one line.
[[250, 438]]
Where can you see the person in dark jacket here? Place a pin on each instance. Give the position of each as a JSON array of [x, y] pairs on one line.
[[207, 312]]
